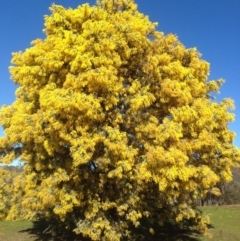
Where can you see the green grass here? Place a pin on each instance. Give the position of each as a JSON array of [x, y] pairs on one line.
[[225, 226], [13, 231], [225, 222], [24, 230]]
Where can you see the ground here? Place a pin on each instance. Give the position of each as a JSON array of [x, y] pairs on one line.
[[224, 226]]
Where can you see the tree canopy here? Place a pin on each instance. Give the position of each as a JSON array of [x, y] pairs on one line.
[[116, 123]]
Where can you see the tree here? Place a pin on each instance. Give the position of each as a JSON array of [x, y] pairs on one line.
[[116, 123]]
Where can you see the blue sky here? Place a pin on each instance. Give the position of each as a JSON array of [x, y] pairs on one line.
[[210, 25]]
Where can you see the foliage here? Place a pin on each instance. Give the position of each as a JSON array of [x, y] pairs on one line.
[[12, 181], [116, 123], [5, 192], [231, 194]]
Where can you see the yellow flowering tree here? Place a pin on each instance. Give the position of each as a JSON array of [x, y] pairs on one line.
[[116, 123]]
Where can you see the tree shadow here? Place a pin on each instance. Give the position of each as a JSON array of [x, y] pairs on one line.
[[175, 234], [41, 231], [170, 232]]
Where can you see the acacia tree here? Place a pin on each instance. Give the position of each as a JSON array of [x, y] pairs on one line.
[[116, 123]]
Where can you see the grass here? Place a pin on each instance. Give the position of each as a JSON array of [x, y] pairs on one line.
[[225, 226], [225, 223], [24, 230], [12, 231]]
